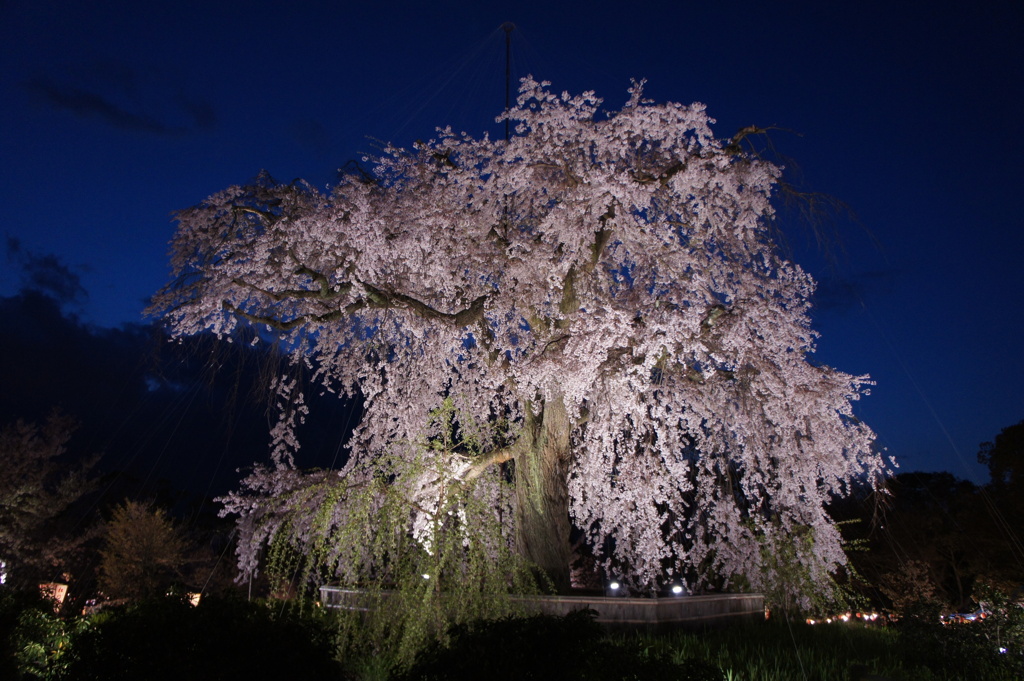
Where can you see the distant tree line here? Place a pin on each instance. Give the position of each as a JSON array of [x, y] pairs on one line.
[[932, 539]]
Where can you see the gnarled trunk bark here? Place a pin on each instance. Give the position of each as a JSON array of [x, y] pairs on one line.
[[542, 492]]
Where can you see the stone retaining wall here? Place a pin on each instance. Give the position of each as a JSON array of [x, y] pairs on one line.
[[616, 612], [657, 613]]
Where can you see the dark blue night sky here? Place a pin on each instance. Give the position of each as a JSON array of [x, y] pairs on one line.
[[116, 114]]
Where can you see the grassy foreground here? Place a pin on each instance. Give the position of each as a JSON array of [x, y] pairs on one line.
[[784, 651], [231, 639], [770, 651]]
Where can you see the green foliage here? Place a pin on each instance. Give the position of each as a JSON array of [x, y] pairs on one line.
[[546, 647], [35, 640], [793, 579], [422, 560]]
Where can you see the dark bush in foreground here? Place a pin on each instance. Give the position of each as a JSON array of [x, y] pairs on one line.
[[32, 636], [988, 648], [218, 640], [545, 647]]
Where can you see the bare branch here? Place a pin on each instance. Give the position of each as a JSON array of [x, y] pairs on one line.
[[471, 314], [324, 293], [294, 322], [498, 456]]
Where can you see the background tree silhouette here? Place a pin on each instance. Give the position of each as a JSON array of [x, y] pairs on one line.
[[1004, 456], [144, 554], [37, 488]]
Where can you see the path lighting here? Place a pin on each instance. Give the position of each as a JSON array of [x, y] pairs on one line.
[[614, 589], [677, 590]]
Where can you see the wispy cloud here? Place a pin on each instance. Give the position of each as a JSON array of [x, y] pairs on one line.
[[45, 273], [120, 96], [840, 295]]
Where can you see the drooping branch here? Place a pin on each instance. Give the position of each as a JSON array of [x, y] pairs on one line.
[[325, 292], [465, 317], [375, 298], [735, 144], [325, 284], [294, 322], [267, 216]]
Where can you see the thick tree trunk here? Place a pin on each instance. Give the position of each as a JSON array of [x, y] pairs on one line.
[[542, 493]]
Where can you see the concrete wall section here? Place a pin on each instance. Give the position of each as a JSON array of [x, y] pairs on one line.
[[657, 613], [634, 613]]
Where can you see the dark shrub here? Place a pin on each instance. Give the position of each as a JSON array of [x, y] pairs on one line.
[[990, 647], [32, 637], [218, 640], [544, 647]]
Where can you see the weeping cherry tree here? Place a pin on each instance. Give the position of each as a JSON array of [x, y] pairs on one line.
[[601, 302]]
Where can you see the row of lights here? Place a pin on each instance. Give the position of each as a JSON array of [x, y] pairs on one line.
[[846, 617], [615, 589]]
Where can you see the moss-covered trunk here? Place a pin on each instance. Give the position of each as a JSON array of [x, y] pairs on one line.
[[542, 492]]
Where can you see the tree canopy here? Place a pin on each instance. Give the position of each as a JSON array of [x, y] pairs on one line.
[[1005, 456], [37, 487], [144, 553], [601, 298]]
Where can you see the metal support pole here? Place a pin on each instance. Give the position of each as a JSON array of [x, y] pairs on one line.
[[508, 26]]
